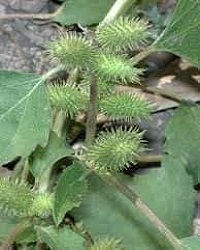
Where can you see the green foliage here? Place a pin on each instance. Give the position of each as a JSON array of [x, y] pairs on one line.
[[107, 244], [62, 238], [43, 159], [190, 243], [85, 12], [107, 213], [70, 190], [122, 34], [114, 150], [182, 143], [25, 117], [181, 36], [125, 106]]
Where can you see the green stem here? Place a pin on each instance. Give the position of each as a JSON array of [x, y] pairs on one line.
[[17, 171], [51, 73], [42, 183], [59, 124], [143, 208], [149, 158], [143, 54], [73, 76], [25, 172], [119, 8], [10, 239], [92, 113]]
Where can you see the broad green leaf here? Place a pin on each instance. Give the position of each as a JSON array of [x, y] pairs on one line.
[[167, 191], [181, 36], [85, 12], [44, 158], [190, 243], [70, 191], [60, 239], [183, 138], [25, 116]]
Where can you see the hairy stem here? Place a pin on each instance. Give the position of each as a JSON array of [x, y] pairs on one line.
[[143, 208], [92, 112], [119, 8], [10, 239]]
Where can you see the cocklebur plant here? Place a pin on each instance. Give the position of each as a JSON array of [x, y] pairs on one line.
[[92, 188], [96, 65], [108, 63], [100, 64]]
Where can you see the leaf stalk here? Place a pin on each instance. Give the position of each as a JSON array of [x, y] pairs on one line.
[[143, 208], [119, 8]]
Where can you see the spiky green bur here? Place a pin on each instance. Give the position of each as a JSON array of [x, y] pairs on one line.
[[72, 51], [107, 244], [43, 204], [125, 106], [67, 97], [15, 199], [114, 150], [122, 34], [117, 69]]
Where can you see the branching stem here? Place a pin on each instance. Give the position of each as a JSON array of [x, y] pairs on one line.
[[143, 208], [92, 112]]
